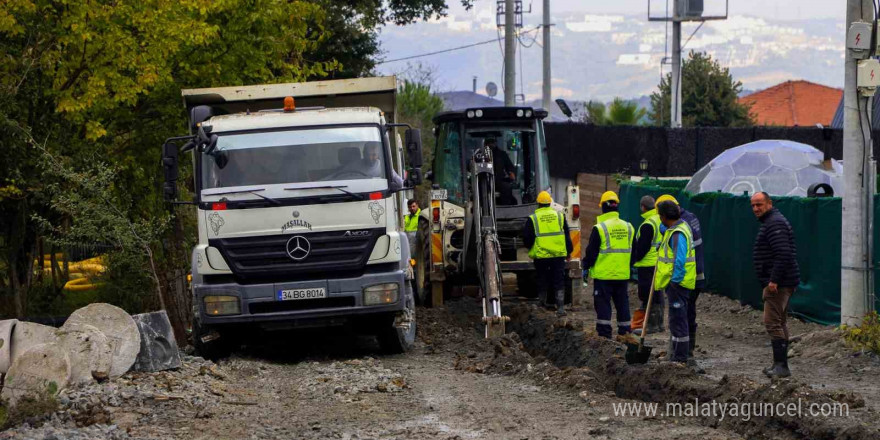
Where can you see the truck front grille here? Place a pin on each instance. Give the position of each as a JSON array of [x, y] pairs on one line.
[[266, 257]]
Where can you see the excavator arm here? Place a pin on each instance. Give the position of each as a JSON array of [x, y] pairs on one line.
[[487, 246]]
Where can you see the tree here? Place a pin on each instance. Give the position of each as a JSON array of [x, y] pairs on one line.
[[622, 112], [619, 112], [594, 113], [72, 88], [417, 105], [709, 96]]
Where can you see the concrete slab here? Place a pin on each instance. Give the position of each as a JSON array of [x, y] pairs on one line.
[[90, 353], [27, 335], [41, 371], [159, 349], [119, 328], [6, 327]]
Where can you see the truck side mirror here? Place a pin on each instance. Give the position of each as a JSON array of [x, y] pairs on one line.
[[170, 168], [413, 137], [414, 178], [199, 114]]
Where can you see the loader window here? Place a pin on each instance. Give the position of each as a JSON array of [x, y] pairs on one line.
[[518, 146], [447, 162], [295, 156]]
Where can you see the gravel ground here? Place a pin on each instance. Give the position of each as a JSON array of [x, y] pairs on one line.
[[453, 385]]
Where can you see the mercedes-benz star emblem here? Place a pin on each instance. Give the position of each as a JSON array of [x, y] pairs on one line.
[[298, 248]]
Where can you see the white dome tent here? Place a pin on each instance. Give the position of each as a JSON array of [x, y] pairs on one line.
[[781, 168]]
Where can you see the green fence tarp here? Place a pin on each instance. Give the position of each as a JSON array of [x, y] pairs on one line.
[[729, 230]]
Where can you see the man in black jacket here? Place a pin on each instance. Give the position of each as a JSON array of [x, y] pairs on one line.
[[776, 266]]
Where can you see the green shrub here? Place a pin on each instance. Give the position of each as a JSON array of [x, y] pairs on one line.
[[865, 337]]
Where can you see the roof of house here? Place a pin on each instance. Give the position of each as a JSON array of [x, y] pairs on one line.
[[794, 103]]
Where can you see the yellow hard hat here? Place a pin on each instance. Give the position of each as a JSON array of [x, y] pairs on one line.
[[609, 196], [665, 198], [544, 198]]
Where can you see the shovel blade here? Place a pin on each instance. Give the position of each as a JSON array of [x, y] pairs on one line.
[[637, 353]]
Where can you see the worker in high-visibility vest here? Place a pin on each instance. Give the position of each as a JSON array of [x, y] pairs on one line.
[[644, 258], [411, 220], [608, 260], [677, 274], [697, 235], [547, 236]]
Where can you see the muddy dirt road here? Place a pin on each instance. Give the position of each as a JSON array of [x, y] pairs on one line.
[[552, 380]]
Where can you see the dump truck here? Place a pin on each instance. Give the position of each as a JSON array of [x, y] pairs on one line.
[[299, 202], [480, 202]]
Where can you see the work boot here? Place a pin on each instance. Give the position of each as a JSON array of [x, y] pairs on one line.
[[780, 359], [560, 303], [655, 319]]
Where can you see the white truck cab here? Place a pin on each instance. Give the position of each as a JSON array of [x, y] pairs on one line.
[[299, 210]]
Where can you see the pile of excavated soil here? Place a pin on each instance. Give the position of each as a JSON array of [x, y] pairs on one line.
[[567, 344]]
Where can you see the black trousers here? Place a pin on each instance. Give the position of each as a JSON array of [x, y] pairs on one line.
[[646, 277], [550, 274], [692, 312]]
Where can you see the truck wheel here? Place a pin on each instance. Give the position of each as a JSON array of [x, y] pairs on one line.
[[398, 334], [209, 343], [527, 284]]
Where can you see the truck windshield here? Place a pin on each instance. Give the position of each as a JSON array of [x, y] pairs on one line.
[[296, 156]]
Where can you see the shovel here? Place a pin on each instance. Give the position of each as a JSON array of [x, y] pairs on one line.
[[639, 353]]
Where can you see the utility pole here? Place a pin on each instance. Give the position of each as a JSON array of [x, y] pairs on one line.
[[547, 99], [855, 258], [675, 86], [509, 53]]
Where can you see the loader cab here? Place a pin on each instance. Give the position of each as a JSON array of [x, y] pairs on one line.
[[517, 133]]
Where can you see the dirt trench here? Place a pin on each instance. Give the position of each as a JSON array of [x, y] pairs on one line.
[[571, 347]]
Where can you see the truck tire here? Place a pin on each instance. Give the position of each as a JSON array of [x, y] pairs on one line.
[[527, 284], [393, 339], [214, 349]]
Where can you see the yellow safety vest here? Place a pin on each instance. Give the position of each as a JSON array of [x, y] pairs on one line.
[[651, 218], [549, 234], [411, 223], [615, 246], [666, 259]]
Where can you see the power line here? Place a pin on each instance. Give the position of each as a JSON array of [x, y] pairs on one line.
[[451, 49]]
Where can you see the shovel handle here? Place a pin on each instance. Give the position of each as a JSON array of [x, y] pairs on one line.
[[648, 308]]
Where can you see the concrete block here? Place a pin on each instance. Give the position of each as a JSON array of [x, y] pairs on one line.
[[6, 327], [159, 349], [119, 328], [41, 371], [27, 335], [90, 353]]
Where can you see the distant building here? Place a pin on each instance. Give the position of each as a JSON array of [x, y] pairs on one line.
[[794, 103]]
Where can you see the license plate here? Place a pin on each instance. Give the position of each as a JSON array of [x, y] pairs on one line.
[[293, 294], [438, 194]]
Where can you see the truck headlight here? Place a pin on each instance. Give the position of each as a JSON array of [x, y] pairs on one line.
[[381, 294], [217, 305]]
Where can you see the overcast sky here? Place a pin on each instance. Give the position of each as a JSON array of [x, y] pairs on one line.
[[775, 9]]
